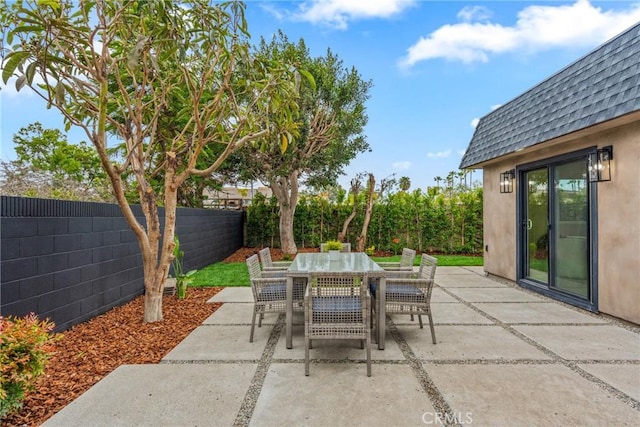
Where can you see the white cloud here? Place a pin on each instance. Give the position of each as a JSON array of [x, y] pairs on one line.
[[474, 13], [537, 28], [338, 13], [439, 154], [269, 8], [401, 166]]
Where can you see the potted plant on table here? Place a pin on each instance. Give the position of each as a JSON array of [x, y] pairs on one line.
[[333, 247]]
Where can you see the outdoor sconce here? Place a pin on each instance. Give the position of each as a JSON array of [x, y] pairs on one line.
[[600, 164], [506, 181]]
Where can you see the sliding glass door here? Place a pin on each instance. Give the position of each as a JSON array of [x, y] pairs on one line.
[[537, 225], [555, 236], [571, 207]]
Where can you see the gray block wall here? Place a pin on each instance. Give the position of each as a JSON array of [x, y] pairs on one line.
[[70, 261]]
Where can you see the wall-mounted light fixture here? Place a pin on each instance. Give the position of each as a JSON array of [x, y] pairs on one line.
[[506, 181], [600, 164]]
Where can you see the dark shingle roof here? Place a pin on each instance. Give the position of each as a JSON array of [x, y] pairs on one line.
[[602, 85]]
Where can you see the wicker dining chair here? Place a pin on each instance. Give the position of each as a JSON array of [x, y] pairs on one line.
[[268, 264], [346, 247], [337, 306], [270, 292], [410, 293], [406, 261]]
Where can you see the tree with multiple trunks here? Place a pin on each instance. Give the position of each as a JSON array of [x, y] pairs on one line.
[[331, 119], [372, 195], [119, 69]]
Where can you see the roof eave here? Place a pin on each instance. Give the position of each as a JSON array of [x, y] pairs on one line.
[[581, 133]]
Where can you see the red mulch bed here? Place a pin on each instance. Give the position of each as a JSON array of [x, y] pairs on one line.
[[90, 351]]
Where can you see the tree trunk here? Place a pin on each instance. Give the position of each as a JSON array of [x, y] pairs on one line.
[[285, 189], [287, 241], [152, 307], [157, 245], [362, 239], [355, 189], [347, 221]]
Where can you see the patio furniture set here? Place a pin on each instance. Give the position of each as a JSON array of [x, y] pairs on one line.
[[343, 296]]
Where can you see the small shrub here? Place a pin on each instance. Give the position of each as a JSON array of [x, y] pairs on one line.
[[182, 279], [25, 346], [396, 244], [333, 245]]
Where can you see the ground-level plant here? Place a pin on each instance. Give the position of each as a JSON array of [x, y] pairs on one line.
[[182, 279], [25, 346]]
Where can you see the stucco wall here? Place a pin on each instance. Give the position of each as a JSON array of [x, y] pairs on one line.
[[618, 216], [499, 222], [619, 227]]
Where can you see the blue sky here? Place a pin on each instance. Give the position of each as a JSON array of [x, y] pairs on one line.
[[436, 67]]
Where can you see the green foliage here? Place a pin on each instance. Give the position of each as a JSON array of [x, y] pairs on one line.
[[443, 260], [329, 124], [262, 220], [404, 183], [48, 150], [330, 118], [173, 85], [25, 345], [182, 279], [48, 166], [222, 274], [457, 261], [333, 245], [448, 221]]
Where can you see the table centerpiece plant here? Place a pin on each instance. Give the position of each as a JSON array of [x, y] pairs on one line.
[[333, 247]]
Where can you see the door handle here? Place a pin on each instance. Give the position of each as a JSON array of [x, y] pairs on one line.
[[529, 224]]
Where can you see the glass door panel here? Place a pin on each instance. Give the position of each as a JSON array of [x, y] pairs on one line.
[[570, 235], [537, 225]]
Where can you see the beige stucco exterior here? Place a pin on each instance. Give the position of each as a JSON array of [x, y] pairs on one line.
[[618, 213]]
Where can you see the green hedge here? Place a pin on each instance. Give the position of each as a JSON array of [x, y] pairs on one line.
[[439, 221]]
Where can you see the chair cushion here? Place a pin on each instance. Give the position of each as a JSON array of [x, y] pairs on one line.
[[396, 292], [337, 309], [278, 291], [273, 292]]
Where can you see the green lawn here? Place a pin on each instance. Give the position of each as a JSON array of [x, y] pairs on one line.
[[443, 260], [222, 274], [236, 274]]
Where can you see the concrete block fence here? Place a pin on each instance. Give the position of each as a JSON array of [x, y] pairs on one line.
[[70, 261]]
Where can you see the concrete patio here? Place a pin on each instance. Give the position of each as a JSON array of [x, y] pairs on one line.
[[505, 357]]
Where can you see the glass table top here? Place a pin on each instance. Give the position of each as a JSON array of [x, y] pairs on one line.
[[340, 262]]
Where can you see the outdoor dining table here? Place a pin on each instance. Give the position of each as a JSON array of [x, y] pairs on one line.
[[306, 263]]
